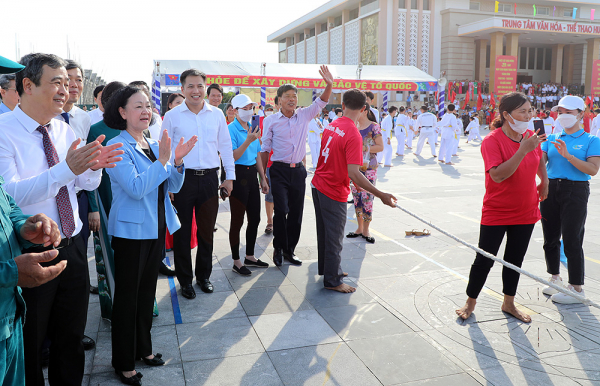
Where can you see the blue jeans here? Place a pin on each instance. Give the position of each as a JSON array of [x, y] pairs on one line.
[[12, 359]]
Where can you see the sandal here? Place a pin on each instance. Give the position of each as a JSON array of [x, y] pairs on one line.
[[410, 233], [369, 239], [353, 235], [424, 233], [269, 229]]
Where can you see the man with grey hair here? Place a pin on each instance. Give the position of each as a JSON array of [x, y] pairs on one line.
[[8, 93]]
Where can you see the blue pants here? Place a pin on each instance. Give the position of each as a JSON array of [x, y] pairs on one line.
[[12, 359]]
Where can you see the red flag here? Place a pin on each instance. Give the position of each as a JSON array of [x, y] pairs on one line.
[[493, 101], [466, 101], [589, 102], [453, 96], [515, 8], [479, 101]]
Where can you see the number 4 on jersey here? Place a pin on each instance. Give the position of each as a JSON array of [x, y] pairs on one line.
[[325, 152]]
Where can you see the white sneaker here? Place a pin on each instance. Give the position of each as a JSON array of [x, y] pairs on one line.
[[551, 291], [566, 299]]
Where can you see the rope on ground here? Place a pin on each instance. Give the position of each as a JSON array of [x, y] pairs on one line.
[[501, 261]]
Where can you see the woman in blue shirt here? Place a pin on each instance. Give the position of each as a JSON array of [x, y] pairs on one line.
[[572, 156], [141, 212], [245, 197]]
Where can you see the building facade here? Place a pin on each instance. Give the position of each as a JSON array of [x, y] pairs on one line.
[[553, 40]]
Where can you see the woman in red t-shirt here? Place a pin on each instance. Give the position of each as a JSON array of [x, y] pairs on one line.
[[512, 158]]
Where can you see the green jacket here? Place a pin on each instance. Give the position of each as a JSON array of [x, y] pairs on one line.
[[11, 221]]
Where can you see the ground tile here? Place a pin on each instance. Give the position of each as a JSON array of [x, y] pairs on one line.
[[217, 339], [402, 358], [152, 376], [508, 374], [320, 297], [272, 300], [218, 305], [463, 379], [243, 370], [323, 365], [293, 329]]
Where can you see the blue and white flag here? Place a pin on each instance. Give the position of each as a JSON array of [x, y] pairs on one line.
[[263, 96], [156, 91], [386, 96]]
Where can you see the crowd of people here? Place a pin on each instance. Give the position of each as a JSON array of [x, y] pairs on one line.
[[142, 184]]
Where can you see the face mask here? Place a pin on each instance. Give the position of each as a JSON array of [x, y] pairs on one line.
[[567, 120], [245, 115], [267, 113], [519, 126]]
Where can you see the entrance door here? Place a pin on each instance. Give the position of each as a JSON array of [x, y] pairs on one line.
[[524, 79]]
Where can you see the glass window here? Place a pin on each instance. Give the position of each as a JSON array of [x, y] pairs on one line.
[[548, 65], [402, 4], [282, 45], [543, 11], [531, 64], [474, 6], [300, 37], [366, 2], [506, 8], [426, 5], [568, 12], [523, 58], [282, 57], [337, 22], [488, 54], [414, 4], [539, 65], [324, 27], [354, 14], [312, 33], [368, 6]]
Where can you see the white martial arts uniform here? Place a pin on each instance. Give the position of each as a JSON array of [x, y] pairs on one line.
[[457, 131], [426, 125], [548, 124], [473, 129], [595, 129], [410, 134], [315, 128], [447, 125], [385, 156], [402, 123]]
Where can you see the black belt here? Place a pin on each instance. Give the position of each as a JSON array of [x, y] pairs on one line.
[[79, 193], [245, 167], [562, 181], [201, 172], [292, 165], [63, 244]]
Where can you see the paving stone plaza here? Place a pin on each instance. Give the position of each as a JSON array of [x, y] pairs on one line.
[[280, 327]]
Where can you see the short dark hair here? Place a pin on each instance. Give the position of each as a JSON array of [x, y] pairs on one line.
[[172, 97], [109, 90], [338, 110], [276, 100], [71, 64], [597, 111], [214, 86], [112, 116], [451, 107], [34, 68], [354, 99], [370, 95], [401, 109], [139, 83], [97, 90], [392, 109], [424, 108], [191, 72], [285, 88]]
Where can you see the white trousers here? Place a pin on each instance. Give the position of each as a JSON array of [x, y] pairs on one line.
[[474, 134], [455, 147], [315, 149], [386, 154], [446, 148], [426, 134], [409, 138], [401, 137]]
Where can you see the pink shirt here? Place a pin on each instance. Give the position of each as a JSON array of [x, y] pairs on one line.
[[287, 136]]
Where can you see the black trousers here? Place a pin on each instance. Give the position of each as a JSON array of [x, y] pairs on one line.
[[83, 204], [136, 272], [199, 192], [58, 309], [244, 200], [288, 185], [490, 238], [564, 213]]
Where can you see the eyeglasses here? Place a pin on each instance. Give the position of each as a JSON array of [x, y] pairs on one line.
[[14, 89]]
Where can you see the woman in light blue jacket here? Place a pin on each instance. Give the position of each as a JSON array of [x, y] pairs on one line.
[[140, 214]]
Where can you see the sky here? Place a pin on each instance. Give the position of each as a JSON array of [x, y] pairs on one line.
[[120, 39]]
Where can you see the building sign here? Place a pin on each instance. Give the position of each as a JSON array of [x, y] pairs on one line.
[[595, 86], [505, 79], [338, 84], [551, 26]]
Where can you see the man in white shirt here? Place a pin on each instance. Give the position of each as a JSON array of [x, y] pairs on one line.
[[448, 125], [370, 97], [315, 128], [426, 123], [386, 130], [457, 132], [402, 124], [332, 115], [595, 129], [42, 165], [201, 188], [8, 93], [97, 115]]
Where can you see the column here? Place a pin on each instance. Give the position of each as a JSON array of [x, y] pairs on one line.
[[512, 45], [317, 32], [288, 42], [394, 37], [593, 53], [569, 63], [480, 54], [497, 38], [345, 19], [296, 42], [382, 32], [330, 23], [306, 34], [556, 70]]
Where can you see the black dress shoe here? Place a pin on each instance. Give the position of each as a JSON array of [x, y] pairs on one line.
[[156, 361], [88, 343], [292, 258], [188, 291], [94, 290], [278, 257], [163, 269], [45, 357], [205, 286], [243, 270], [135, 380]]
